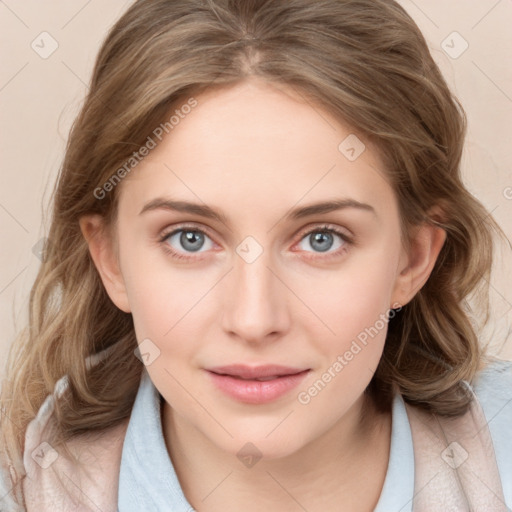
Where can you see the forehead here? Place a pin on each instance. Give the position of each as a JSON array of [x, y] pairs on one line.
[[257, 145]]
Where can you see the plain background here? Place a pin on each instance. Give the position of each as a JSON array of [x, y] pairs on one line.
[[40, 95]]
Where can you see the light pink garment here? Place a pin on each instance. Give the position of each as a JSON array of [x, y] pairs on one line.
[[455, 467], [64, 487]]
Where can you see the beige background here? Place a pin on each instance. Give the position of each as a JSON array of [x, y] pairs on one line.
[[39, 98]]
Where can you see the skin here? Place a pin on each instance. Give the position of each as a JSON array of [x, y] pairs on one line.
[[255, 151]]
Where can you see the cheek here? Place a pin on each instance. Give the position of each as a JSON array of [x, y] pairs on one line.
[[156, 292], [363, 305], [163, 312], [351, 299], [353, 304], [355, 308]]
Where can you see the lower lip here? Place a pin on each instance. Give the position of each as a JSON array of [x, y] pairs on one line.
[[255, 391]]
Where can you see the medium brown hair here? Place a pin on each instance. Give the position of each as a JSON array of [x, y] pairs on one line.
[[367, 63]]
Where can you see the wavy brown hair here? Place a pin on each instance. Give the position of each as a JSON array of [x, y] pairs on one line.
[[365, 62]]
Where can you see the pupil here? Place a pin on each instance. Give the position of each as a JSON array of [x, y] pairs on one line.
[[317, 240]]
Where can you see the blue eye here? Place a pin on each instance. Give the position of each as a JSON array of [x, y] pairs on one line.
[[183, 242], [324, 239], [187, 240]]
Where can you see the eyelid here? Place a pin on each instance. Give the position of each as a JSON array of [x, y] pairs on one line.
[[166, 232], [325, 226]]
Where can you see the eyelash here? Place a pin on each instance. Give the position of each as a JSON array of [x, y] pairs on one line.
[[326, 228]]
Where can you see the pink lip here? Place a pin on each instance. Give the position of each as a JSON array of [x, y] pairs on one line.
[[238, 381]]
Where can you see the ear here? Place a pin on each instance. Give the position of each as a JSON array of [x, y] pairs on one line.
[[417, 263], [104, 254]]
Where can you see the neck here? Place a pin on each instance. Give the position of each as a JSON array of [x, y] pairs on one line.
[[346, 465]]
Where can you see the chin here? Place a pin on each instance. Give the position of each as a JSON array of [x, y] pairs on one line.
[[258, 443]]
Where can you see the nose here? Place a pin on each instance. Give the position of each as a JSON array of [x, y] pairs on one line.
[[256, 302]]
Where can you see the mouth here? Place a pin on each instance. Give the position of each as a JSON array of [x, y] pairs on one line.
[[256, 385], [259, 373]]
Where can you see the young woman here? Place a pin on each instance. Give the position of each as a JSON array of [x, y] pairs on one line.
[[254, 292]]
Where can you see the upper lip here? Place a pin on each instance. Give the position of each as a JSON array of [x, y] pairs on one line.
[[256, 372]]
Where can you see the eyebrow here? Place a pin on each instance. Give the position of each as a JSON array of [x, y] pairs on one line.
[[295, 214]]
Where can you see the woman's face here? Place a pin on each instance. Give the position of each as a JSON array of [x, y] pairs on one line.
[[228, 258]]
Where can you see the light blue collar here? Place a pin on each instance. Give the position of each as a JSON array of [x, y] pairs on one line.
[[147, 480], [398, 490]]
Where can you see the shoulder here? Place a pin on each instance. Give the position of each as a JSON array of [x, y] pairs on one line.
[[496, 372], [477, 480], [11, 497], [493, 387], [55, 482]]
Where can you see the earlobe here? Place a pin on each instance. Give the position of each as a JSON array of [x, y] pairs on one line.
[[426, 244], [103, 254]]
